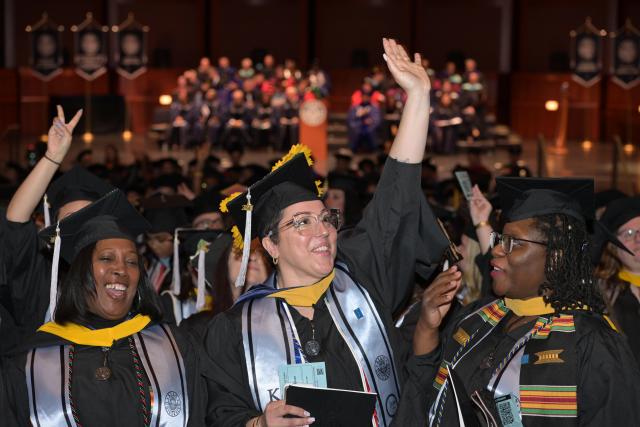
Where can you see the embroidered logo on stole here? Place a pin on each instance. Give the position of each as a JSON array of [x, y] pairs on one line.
[[548, 356]]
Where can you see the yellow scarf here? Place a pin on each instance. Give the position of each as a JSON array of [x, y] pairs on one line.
[[305, 296], [537, 307], [528, 307], [630, 277], [96, 337]]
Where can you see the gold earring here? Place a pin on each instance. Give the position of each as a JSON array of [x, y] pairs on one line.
[[275, 260]]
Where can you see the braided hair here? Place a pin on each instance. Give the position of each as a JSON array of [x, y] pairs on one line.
[[569, 281]]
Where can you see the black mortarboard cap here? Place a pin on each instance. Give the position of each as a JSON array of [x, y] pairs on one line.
[[165, 213], [618, 212], [523, 198], [290, 181], [207, 201], [344, 182], [76, 184], [110, 217]]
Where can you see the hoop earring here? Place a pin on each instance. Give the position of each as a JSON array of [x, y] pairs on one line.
[[275, 260]]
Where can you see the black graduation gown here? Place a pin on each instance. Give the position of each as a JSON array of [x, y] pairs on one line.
[[608, 377], [396, 238], [114, 402], [626, 313], [27, 270]]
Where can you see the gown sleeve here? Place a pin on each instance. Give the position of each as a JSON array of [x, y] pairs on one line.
[[28, 274], [397, 237], [608, 379]]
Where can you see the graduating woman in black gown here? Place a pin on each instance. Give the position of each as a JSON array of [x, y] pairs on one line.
[[543, 354], [105, 360], [333, 295]]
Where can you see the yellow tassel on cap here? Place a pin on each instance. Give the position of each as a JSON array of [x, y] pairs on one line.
[[295, 149]]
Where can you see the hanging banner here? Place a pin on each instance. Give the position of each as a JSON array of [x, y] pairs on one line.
[[625, 56], [45, 42], [586, 53], [90, 48], [131, 48]]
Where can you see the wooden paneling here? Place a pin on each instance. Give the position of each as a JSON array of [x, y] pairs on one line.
[[276, 26], [544, 25], [530, 91], [468, 28], [343, 27], [622, 114], [8, 98], [176, 29]]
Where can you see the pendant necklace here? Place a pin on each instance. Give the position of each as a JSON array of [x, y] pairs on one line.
[[103, 372], [312, 347]]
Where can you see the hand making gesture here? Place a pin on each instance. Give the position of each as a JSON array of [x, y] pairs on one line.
[[60, 134]]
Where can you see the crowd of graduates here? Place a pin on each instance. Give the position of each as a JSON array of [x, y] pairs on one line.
[[459, 108], [205, 247], [253, 105]]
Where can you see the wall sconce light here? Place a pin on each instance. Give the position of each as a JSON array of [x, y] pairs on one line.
[[551, 105]]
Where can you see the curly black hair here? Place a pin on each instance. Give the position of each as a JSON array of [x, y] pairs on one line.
[[569, 281]]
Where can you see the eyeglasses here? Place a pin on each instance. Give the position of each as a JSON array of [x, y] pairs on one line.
[[306, 223], [508, 242], [629, 234]]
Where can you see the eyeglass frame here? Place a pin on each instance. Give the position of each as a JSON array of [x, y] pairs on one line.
[[499, 236], [291, 222], [624, 233]]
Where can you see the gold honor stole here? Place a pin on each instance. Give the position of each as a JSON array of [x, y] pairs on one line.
[[630, 277], [305, 296], [105, 337]]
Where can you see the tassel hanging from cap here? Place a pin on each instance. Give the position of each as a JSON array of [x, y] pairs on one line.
[[45, 208], [53, 290], [176, 284], [246, 250], [203, 248]]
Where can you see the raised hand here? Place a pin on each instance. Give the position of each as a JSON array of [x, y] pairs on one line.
[[437, 298], [60, 133], [410, 75], [479, 206]]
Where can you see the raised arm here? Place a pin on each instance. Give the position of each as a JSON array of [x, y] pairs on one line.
[[32, 189], [480, 210], [411, 140]]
